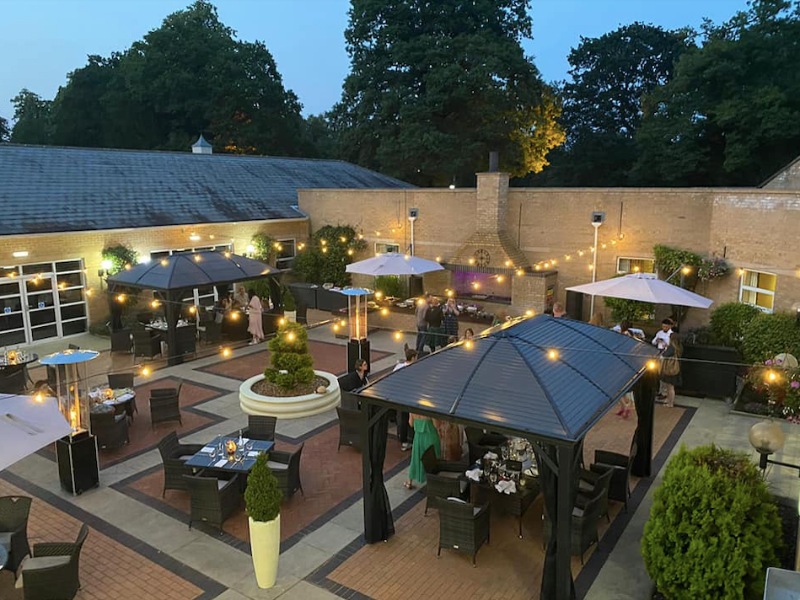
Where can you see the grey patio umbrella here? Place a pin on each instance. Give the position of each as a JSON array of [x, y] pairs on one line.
[[173, 275], [644, 287], [26, 425], [393, 263]]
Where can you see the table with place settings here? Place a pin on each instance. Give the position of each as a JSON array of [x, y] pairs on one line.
[[214, 455]]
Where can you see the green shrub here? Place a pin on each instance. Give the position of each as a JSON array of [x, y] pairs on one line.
[[768, 335], [264, 247], [287, 299], [713, 528], [629, 310], [326, 257], [390, 285], [291, 364], [262, 496], [121, 257], [728, 322]]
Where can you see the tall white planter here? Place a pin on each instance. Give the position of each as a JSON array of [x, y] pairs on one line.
[[265, 547]]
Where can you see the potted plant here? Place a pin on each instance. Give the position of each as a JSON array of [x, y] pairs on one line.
[[289, 305], [263, 501]]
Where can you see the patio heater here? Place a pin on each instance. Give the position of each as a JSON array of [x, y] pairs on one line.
[[358, 346], [76, 453]]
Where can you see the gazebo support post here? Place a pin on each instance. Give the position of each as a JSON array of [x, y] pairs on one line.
[[172, 312], [565, 589], [378, 521], [644, 394]]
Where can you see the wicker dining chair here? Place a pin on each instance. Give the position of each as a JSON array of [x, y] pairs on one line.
[[463, 527], [14, 511], [593, 483], [53, 572], [260, 427], [620, 485], [212, 500], [286, 468], [146, 343], [173, 457], [583, 526], [349, 427], [165, 405], [110, 429]]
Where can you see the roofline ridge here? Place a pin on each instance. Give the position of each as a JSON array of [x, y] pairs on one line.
[[460, 395]]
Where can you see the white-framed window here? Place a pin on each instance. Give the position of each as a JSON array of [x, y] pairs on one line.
[[287, 250], [384, 247], [757, 288], [626, 264]]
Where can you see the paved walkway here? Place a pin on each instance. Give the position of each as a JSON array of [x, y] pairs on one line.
[[136, 533]]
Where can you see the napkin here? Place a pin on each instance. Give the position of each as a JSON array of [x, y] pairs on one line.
[[253, 453], [490, 456], [108, 402], [221, 463], [506, 487], [124, 397], [207, 449], [474, 474], [245, 440]]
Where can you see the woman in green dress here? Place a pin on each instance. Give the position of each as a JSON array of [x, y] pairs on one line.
[[425, 436]]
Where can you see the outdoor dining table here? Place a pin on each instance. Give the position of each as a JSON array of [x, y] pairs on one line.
[[18, 358], [121, 400], [516, 503], [214, 456]]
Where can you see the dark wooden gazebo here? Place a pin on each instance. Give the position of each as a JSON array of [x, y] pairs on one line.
[[173, 276], [545, 379]]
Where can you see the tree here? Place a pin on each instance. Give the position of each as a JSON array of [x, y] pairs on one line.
[[5, 132], [32, 124], [602, 102], [730, 115], [434, 86]]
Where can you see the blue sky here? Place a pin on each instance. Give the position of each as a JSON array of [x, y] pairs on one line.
[[43, 40]]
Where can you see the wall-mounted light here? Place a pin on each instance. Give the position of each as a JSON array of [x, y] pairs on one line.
[[20, 254]]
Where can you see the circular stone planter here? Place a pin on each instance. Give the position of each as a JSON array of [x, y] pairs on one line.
[[289, 407]]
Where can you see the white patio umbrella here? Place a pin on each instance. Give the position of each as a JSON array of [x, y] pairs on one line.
[[26, 425], [393, 263], [644, 287]]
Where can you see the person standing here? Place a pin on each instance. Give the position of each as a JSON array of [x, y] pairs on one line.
[[661, 341], [451, 313], [241, 299], [403, 425], [626, 403], [425, 436], [671, 369], [254, 310], [435, 319], [558, 311], [422, 324]]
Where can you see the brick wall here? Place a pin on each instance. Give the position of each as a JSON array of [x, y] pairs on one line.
[[752, 228]]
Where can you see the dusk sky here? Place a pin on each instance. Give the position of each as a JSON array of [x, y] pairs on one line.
[[43, 40]]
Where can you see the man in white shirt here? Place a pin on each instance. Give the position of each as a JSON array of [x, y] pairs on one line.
[[661, 339]]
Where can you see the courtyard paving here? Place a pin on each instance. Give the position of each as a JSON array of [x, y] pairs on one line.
[[140, 546]]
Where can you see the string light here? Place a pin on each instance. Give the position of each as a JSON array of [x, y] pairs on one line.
[[552, 354], [398, 335], [552, 262], [384, 312], [651, 365], [290, 336], [529, 313], [145, 371], [226, 352], [378, 295], [468, 344]]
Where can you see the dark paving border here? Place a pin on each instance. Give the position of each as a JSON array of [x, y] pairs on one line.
[[124, 486], [589, 571], [211, 588]]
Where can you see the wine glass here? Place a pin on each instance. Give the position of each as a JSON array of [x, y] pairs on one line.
[[504, 451], [213, 452]]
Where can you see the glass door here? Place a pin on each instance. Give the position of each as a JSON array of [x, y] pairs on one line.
[[13, 329], [40, 301]]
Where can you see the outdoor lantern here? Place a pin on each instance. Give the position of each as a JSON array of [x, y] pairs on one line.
[[767, 438], [71, 390], [358, 345], [230, 448]]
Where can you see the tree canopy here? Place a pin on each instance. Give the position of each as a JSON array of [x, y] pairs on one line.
[[731, 114], [187, 77], [435, 86], [602, 102]]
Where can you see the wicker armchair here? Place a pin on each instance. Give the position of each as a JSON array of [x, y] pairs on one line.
[[620, 486], [13, 380], [185, 341], [583, 527], [212, 500], [174, 456], [444, 479], [463, 527], [260, 428], [53, 571], [121, 341], [480, 443], [286, 467], [146, 343], [593, 483], [349, 428], [14, 511], [165, 405], [110, 428]]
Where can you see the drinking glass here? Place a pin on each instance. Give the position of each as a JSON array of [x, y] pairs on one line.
[[213, 452]]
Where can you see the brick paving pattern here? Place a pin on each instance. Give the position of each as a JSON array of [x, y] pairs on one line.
[[329, 478], [507, 568], [107, 568], [327, 357]]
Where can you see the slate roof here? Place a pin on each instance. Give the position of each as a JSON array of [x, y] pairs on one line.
[[508, 381], [46, 189]]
